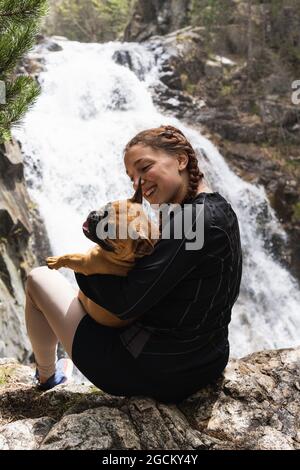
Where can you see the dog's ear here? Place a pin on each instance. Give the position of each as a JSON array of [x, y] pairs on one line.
[[143, 246], [138, 195]]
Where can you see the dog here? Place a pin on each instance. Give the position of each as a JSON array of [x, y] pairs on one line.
[[111, 255]]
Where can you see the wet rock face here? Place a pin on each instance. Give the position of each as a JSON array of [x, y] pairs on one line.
[[233, 105], [152, 17], [252, 162], [23, 245], [197, 88], [254, 405], [178, 56]]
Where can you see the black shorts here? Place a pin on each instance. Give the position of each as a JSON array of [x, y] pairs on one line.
[[100, 355]]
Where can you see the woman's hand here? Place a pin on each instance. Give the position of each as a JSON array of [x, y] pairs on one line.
[[54, 262]]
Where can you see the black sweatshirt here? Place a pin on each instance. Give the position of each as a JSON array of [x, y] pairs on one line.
[[181, 299]]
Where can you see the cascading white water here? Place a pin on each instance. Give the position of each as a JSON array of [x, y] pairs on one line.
[[73, 139]]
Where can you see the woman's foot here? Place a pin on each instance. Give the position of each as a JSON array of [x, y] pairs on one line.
[[63, 372]]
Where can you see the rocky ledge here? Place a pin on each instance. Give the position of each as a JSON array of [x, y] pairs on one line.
[[254, 405]]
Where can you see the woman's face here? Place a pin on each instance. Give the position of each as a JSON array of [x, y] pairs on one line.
[[161, 180]]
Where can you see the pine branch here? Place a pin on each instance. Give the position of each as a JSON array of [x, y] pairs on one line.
[[14, 43], [12, 13], [21, 94], [29, 91], [25, 9], [19, 23]]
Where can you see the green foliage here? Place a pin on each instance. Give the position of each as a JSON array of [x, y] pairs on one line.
[[14, 42], [5, 374], [115, 13], [276, 7], [89, 20], [209, 13], [254, 108], [227, 90], [21, 93], [19, 24], [273, 26], [20, 11], [285, 38]]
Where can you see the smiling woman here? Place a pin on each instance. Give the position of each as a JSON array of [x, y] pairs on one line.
[[179, 299], [167, 164]]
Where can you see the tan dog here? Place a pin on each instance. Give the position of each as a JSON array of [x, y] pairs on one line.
[[111, 255]]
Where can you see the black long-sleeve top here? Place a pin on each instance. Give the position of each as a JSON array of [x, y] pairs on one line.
[[181, 299]]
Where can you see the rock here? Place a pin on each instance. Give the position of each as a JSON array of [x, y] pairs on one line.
[[252, 162], [179, 55], [105, 427], [273, 112], [23, 245], [123, 57], [25, 434], [32, 66], [213, 69], [152, 17], [50, 42], [33, 63], [181, 52], [255, 405]]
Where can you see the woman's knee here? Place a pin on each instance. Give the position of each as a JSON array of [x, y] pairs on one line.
[[34, 276]]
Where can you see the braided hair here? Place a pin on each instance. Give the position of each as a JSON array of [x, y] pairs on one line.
[[172, 141]]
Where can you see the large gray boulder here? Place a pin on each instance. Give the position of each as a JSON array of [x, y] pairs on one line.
[[255, 405]]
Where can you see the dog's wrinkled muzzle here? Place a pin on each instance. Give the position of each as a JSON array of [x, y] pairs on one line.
[[90, 229], [93, 218]]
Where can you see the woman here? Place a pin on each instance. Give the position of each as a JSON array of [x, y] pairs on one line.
[[179, 300]]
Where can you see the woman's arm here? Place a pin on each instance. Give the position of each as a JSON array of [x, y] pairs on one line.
[[152, 277]]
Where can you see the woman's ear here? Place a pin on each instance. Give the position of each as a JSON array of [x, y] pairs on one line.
[[183, 160], [138, 195]]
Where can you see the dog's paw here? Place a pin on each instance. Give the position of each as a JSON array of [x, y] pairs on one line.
[[53, 262]]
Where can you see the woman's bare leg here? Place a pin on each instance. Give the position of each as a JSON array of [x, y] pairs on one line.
[[52, 314]]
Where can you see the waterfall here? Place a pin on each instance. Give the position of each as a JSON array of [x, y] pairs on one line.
[[73, 138]]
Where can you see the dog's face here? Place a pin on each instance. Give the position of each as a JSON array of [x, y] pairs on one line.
[[121, 227]]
